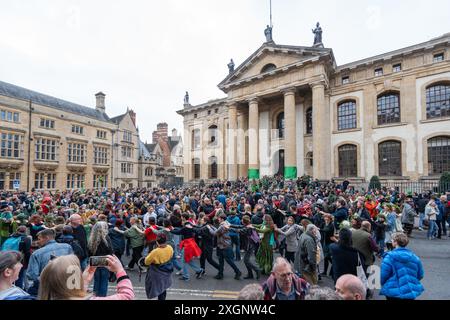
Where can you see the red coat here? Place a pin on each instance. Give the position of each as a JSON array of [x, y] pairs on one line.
[[149, 234], [46, 204], [191, 249]]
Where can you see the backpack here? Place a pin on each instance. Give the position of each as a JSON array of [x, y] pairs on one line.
[[12, 244]]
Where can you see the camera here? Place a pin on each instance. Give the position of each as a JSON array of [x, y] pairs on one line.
[[98, 261]]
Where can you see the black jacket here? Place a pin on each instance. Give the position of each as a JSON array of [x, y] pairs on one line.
[[79, 233], [258, 218], [77, 250], [344, 260]]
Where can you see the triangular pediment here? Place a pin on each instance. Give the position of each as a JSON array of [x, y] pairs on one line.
[[270, 58]]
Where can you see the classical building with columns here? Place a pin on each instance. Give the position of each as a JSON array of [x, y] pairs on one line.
[[292, 110]]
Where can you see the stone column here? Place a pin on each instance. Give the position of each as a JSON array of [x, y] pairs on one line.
[[290, 165], [232, 143], [321, 126], [221, 151], [205, 151], [241, 150], [253, 134]]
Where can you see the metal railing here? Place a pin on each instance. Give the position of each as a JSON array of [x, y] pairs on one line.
[[408, 186]]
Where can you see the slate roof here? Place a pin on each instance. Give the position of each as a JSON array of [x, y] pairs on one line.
[[150, 147], [13, 91], [117, 119], [143, 151], [173, 143]]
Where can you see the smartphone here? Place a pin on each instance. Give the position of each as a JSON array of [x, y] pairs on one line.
[[98, 261]]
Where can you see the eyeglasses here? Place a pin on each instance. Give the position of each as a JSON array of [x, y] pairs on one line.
[[285, 275]]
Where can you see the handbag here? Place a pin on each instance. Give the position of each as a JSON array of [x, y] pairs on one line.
[[360, 273]]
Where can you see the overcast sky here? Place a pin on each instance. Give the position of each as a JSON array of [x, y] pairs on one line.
[[145, 54]]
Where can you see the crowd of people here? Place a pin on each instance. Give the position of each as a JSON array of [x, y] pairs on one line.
[[285, 230]]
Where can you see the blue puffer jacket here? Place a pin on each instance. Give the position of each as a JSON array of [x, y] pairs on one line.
[[401, 272]]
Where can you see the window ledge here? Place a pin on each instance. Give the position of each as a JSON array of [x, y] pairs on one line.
[[394, 178], [434, 178], [307, 135], [398, 124], [435, 120], [351, 179], [347, 130]]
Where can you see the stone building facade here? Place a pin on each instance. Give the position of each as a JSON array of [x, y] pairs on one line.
[[50, 144], [169, 151], [292, 110]]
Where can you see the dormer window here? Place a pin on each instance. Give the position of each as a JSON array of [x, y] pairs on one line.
[[268, 67]]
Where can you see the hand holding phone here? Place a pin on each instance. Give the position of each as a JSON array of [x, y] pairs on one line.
[[98, 261]]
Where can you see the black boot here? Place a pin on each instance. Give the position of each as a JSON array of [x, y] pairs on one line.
[[249, 276], [258, 274]]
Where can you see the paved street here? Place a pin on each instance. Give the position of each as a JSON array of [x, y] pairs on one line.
[[435, 255]]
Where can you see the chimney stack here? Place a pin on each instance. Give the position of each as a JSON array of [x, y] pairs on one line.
[[100, 102], [163, 129], [174, 133]]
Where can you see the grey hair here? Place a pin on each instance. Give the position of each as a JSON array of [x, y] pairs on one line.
[[280, 261], [322, 293], [98, 235], [251, 292], [310, 228]]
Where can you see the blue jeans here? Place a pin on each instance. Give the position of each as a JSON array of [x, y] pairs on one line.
[[175, 262], [101, 278], [176, 240], [380, 243], [191, 264], [432, 228], [421, 218], [235, 241]]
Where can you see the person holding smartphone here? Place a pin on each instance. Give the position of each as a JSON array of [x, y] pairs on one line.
[[100, 245], [54, 280]]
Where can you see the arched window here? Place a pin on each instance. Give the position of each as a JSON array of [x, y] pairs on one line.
[[438, 101], [212, 131], [348, 160], [309, 123], [390, 158], [196, 139], [148, 172], [438, 155], [280, 125], [347, 115], [196, 168], [268, 67], [388, 108], [212, 168]]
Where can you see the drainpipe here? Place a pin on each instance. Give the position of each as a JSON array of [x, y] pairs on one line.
[[29, 147]]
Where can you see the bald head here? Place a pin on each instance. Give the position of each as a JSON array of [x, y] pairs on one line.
[[366, 226], [75, 220], [350, 287]]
